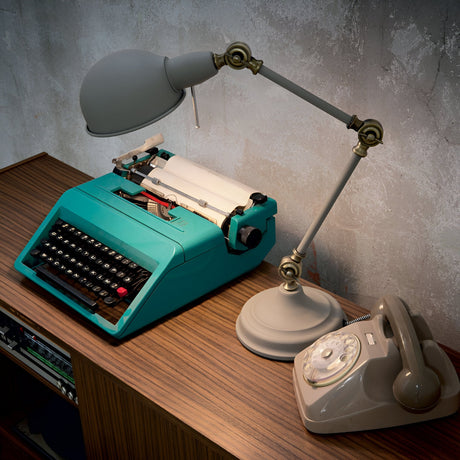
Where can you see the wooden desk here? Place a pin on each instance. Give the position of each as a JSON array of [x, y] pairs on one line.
[[184, 388]]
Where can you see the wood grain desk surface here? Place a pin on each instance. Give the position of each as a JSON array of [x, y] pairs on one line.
[[192, 364]]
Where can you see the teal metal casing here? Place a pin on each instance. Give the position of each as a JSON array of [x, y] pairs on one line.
[[188, 256]]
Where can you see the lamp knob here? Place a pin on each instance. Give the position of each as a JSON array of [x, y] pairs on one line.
[[370, 134], [290, 269], [238, 56]]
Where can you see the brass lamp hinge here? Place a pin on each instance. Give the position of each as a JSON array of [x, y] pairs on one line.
[[238, 56], [290, 270], [370, 134]]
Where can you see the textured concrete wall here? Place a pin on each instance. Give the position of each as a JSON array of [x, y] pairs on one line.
[[394, 230]]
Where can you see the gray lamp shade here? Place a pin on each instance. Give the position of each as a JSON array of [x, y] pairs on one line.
[[130, 89]]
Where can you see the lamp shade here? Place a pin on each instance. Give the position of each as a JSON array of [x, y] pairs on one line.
[[130, 89]]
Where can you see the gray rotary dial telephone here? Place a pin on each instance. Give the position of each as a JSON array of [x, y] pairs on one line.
[[382, 372]]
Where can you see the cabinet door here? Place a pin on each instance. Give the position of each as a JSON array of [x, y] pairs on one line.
[[117, 422]]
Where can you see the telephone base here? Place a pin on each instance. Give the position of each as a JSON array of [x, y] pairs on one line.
[[382, 415], [361, 397]]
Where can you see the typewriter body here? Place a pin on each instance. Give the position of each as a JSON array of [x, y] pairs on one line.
[[134, 245]]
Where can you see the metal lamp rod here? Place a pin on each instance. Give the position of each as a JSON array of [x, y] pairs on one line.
[[306, 95], [316, 224]]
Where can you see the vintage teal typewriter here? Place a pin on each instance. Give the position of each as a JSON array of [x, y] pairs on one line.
[[136, 244]]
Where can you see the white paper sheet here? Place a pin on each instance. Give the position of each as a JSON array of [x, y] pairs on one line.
[[193, 183]]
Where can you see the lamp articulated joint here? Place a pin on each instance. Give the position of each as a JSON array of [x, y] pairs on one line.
[[290, 270], [238, 56], [370, 134]]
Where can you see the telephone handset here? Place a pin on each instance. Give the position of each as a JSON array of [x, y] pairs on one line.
[[383, 372]]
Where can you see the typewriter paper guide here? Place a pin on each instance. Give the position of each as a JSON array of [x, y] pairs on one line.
[[219, 195]]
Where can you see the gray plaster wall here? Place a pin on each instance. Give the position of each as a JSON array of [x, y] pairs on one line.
[[395, 228]]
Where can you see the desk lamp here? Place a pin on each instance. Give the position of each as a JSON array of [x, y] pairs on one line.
[[131, 89]]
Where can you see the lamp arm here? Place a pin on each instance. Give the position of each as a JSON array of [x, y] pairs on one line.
[[306, 95], [370, 133], [238, 56], [290, 267], [316, 224]]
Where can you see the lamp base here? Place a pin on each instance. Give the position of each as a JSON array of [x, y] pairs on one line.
[[278, 324]]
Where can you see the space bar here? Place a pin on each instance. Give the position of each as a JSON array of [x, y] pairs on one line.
[[70, 289]]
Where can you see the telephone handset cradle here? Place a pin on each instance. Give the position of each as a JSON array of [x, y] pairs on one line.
[[386, 371]]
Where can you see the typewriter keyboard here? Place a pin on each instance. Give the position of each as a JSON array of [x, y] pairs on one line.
[[98, 277]]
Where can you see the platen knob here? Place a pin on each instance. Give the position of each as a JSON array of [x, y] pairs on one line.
[[250, 236]]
